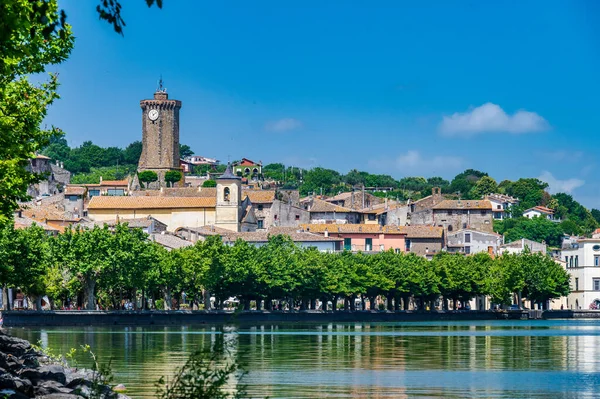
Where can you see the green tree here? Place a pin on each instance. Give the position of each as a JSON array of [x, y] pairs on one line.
[[544, 278], [319, 180], [147, 176], [185, 151], [484, 186], [33, 36], [596, 215], [209, 183], [537, 229], [85, 253], [132, 153], [172, 177]]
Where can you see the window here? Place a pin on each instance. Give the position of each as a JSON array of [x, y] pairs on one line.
[[483, 213], [576, 260], [260, 224], [467, 237], [93, 193], [450, 213], [348, 243], [297, 217], [464, 225], [260, 207], [468, 250], [407, 245], [498, 207], [226, 194], [596, 260], [368, 244], [571, 262], [576, 284], [450, 227], [115, 191], [596, 284], [274, 217], [72, 198], [372, 216]]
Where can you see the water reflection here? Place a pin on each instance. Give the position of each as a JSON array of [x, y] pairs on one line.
[[541, 359]]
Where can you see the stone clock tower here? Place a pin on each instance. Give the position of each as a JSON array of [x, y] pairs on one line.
[[160, 135]]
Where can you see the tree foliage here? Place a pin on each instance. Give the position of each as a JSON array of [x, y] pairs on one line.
[[147, 176], [33, 36], [173, 176]]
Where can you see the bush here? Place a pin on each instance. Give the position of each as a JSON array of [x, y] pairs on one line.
[[159, 304]]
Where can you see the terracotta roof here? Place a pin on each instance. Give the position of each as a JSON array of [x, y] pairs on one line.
[[43, 213], [260, 196], [130, 202], [324, 206], [261, 236], [409, 231], [178, 192], [170, 241], [391, 208], [502, 198], [40, 156], [542, 209], [464, 204], [114, 183], [74, 190], [25, 222]]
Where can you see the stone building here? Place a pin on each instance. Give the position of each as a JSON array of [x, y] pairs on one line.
[[271, 211], [454, 215], [356, 200], [326, 212], [160, 136], [468, 241], [54, 177], [248, 169]]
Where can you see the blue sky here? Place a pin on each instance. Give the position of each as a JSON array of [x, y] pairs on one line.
[[429, 88]]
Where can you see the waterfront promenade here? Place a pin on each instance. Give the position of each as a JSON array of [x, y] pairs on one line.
[[182, 317]]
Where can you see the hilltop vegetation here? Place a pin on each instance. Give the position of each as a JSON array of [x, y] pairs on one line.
[[89, 161]]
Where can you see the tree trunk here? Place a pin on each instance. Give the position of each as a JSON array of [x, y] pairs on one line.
[[334, 303], [268, 304], [90, 300], [5, 298], [38, 303], [396, 303], [372, 303], [259, 304], [406, 302], [346, 304], [313, 304], [206, 297], [353, 303], [167, 297], [390, 304]]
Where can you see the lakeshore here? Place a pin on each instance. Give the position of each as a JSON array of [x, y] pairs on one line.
[[183, 317], [435, 359]]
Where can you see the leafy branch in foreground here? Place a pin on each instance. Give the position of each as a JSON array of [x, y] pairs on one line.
[[205, 375]]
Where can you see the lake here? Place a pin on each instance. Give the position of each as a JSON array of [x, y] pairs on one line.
[[487, 359]]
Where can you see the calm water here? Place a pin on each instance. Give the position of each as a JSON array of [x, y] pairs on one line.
[[498, 359]]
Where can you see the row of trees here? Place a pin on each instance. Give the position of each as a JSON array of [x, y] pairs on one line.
[[104, 266]]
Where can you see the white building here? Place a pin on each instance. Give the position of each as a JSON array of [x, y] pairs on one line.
[[583, 264], [540, 211], [468, 241], [501, 205], [519, 246]]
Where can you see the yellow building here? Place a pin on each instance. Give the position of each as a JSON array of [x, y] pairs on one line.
[[224, 209]]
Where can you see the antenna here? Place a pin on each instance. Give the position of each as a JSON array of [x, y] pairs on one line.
[[160, 88]]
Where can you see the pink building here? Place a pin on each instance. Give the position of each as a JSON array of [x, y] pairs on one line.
[[422, 240]]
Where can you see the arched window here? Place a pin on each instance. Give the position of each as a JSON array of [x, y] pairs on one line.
[[449, 227], [226, 194]]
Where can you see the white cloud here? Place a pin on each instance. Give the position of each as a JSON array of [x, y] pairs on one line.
[[283, 125], [412, 161], [560, 186], [491, 118]]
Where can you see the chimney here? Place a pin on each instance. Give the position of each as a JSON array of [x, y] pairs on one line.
[[20, 213], [326, 233], [386, 203], [100, 179]]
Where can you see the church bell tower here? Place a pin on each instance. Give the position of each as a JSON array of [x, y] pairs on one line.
[[160, 135]]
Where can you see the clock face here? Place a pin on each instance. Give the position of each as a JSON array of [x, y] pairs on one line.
[[153, 114]]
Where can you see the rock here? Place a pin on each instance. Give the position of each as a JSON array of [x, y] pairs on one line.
[[51, 372], [10, 382], [9, 362], [49, 387], [120, 388], [14, 346], [9, 394]]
